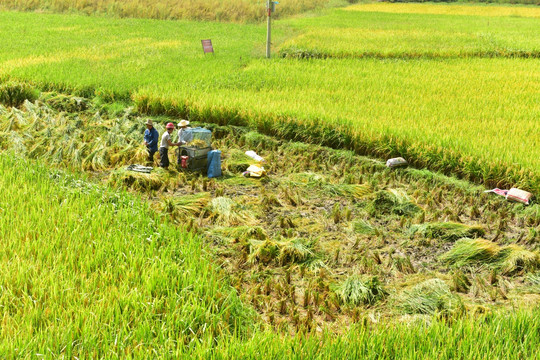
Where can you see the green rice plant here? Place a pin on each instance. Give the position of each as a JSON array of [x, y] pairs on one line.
[[393, 202], [472, 252], [431, 297], [447, 231], [110, 249], [358, 291]]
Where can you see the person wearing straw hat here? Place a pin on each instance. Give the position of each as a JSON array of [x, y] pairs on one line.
[[182, 125], [165, 144], [151, 138]]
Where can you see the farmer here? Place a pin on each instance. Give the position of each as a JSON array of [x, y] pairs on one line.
[[182, 125], [151, 138], [165, 144]]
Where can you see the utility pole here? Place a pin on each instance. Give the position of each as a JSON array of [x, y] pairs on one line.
[[268, 27]]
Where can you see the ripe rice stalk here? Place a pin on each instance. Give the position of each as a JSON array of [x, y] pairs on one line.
[[393, 202], [241, 233], [38, 148], [404, 265], [348, 190], [363, 227], [534, 281], [508, 259]]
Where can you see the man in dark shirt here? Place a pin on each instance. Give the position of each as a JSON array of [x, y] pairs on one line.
[[151, 138]]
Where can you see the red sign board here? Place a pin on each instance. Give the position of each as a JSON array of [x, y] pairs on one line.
[[207, 46]]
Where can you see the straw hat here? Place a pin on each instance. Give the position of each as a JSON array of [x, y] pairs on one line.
[[149, 122], [183, 123]]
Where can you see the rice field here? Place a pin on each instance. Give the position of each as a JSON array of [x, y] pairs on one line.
[[401, 31], [336, 249], [332, 255], [449, 119]]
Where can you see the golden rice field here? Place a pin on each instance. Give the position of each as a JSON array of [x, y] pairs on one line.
[[332, 255], [446, 9], [208, 10]]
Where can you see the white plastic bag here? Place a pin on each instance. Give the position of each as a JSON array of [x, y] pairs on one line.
[[252, 154]]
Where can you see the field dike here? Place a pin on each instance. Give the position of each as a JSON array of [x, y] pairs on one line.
[[327, 238]]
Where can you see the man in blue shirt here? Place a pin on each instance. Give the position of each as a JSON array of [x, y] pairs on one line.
[[151, 138]]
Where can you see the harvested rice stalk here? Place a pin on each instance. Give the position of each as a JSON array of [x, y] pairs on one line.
[[508, 260], [183, 207], [295, 251], [514, 258], [224, 211], [472, 252], [431, 297], [393, 202], [241, 233], [447, 231], [357, 291]]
